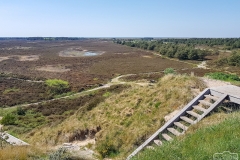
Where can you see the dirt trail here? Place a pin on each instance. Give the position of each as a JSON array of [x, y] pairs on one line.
[[114, 81], [214, 83], [203, 65]]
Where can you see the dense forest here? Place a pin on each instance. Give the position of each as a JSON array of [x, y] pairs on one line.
[[184, 49]]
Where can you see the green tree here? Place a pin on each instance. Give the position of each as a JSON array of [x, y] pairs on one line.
[[193, 54], [182, 55]]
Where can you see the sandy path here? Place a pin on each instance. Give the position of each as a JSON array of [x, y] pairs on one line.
[[214, 83]]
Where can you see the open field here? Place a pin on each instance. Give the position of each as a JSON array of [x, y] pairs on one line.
[[41, 60], [15, 91]]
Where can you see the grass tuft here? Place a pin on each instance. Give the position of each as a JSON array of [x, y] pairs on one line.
[[223, 76]]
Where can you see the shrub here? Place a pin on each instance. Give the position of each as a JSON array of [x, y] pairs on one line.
[[20, 111], [107, 94], [157, 104], [107, 148], [169, 71], [59, 154], [223, 76], [8, 119], [57, 86]]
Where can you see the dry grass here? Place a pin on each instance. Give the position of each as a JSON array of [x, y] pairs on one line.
[[19, 153], [126, 119]]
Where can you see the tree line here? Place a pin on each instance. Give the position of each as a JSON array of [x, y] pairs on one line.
[[182, 48]]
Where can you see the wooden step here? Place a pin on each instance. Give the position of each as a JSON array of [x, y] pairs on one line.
[[186, 119], [199, 108], [174, 131], [180, 125], [211, 97], [157, 142], [194, 114], [205, 102], [167, 137]]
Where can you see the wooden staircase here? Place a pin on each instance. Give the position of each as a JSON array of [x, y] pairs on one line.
[[192, 113]]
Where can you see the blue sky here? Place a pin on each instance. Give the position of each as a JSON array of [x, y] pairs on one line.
[[120, 18]]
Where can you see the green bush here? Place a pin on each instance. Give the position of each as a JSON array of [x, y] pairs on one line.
[[60, 154], [8, 119], [223, 76], [169, 71], [157, 104], [107, 148], [20, 111], [57, 86], [107, 94]]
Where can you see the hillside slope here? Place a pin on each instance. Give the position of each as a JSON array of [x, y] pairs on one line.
[[123, 121]]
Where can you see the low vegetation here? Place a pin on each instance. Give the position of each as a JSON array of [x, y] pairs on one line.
[[57, 86], [201, 143], [125, 119], [9, 90], [21, 153], [232, 60], [23, 120], [169, 71], [223, 76], [15, 91]]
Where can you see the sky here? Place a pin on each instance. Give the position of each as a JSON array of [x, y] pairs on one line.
[[120, 18]]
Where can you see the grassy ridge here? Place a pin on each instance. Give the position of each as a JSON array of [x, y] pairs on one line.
[[201, 144], [126, 119]]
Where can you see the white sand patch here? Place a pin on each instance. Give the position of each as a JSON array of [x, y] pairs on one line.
[[28, 58], [51, 68], [16, 47], [214, 83], [21, 57], [146, 56], [3, 58], [203, 65]]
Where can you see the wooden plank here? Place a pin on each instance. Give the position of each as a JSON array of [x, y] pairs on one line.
[[180, 125], [194, 114], [186, 119], [174, 131], [167, 137]]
